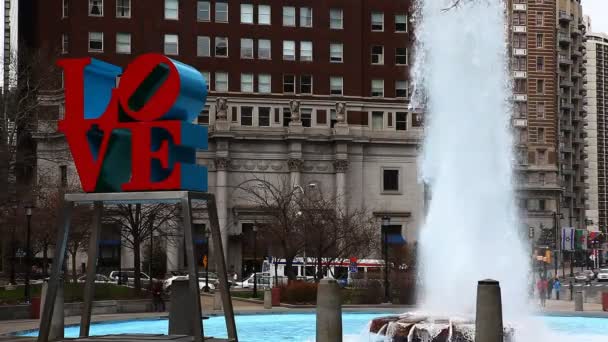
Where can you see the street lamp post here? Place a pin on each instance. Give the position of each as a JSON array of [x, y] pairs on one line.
[[28, 260], [206, 260], [385, 224], [255, 260]]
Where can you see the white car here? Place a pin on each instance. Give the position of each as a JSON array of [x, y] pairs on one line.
[[602, 275], [99, 279], [201, 281], [262, 279]]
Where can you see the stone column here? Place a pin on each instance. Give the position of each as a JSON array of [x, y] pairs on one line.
[[295, 169], [221, 167], [341, 166]]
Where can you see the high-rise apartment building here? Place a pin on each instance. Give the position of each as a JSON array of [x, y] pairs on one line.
[[596, 84], [316, 91], [546, 62]]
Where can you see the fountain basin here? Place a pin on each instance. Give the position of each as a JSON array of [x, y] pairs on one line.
[[425, 328]]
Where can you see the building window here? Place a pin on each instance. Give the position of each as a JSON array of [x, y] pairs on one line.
[[336, 21], [64, 8], [519, 18], [264, 51], [264, 83], [63, 180], [123, 43], [336, 53], [289, 50], [540, 86], [336, 86], [521, 86], [541, 135], [221, 81], [377, 21], [221, 12], [306, 84], [264, 15], [203, 11], [401, 121], [246, 116], [540, 110], [203, 46], [289, 16], [540, 63], [96, 8], [123, 8], [247, 83], [377, 54], [400, 23], [246, 14], [520, 63], [264, 116], [246, 48], [333, 118], [171, 9], [286, 117], [377, 120], [203, 117], [306, 117], [390, 180], [400, 88], [377, 88], [539, 19], [539, 40], [520, 41], [541, 157], [289, 84], [401, 56], [171, 44], [64, 43], [221, 47], [96, 41], [305, 17], [207, 78], [306, 51]]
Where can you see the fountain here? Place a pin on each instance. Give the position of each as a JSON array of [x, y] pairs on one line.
[[471, 231]]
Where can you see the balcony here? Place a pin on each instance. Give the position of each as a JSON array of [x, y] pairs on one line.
[[577, 54], [585, 81], [520, 29], [574, 31], [519, 7], [520, 74], [520, 123], [577, 97], [576, 75], [520, 97], [565, 17], [564, 60], [564, 38], [521, 52], [567, 127], [566, 105], [565, 83]]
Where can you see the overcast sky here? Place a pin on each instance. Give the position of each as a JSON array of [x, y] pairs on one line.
[[598, 11]]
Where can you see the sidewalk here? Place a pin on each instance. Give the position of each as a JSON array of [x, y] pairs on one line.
[[567, 307]]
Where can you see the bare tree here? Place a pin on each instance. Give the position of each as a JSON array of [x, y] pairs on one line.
[[137, 222], [277, 201], [332, 233]]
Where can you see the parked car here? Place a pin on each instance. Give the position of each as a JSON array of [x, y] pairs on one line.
[[212, 280], [99, 279], [584, 276], [129, 276], [602, 275], [262, 279]]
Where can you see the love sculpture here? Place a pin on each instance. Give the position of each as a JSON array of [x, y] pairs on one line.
[[137, 135]]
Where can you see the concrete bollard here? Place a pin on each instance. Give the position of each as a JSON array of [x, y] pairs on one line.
[[329, 311], [267, 299], [180, 313], [57, 322], [578, 301], [488, 321], [217, 300]]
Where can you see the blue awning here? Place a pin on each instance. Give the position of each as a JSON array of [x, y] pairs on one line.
[[109, 242], [395, 239]]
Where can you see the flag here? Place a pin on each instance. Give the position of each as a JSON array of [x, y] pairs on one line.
[[581, 239], [568, 239]]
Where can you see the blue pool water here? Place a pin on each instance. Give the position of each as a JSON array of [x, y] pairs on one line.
[[301, 327]]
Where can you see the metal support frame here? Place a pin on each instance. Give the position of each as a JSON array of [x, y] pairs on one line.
[[184, 199]]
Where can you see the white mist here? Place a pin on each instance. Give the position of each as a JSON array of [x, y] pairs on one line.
[[471, 230]]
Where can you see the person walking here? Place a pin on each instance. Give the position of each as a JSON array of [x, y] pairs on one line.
[[157, 297], [549, 286], [541, 285], [557, 286]]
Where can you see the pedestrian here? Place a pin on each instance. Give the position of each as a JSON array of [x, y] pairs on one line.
[[571, 285], [549, 287], [157, 297], [542, 291], [557, 286]]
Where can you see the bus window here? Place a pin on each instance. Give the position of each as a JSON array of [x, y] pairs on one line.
[[361, 269], [310, 271], [340, 272]]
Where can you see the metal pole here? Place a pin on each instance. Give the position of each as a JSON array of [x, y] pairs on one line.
[[89, 286], [255, 258], [28, 258], [386, 289], [207, 271]]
